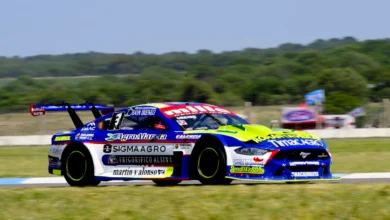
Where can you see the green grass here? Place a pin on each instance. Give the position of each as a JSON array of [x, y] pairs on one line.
[[360, 155], [309, 201], [25, 161], [351, 155]]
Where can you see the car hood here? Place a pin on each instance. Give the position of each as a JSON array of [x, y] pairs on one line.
[[255, 133]]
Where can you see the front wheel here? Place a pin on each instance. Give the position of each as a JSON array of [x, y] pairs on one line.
[[209, 163], [78, 166]]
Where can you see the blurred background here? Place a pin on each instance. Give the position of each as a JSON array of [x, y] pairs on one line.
[[295, 64]]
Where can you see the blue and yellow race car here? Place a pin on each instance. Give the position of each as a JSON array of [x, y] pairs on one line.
[[175, 141]]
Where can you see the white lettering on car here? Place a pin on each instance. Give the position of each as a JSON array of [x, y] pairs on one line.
[[295, 142], [304, 174], [195, 109]]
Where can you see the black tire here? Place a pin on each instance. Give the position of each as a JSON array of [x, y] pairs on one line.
[[208, 162], [77, 166], [166, 182]]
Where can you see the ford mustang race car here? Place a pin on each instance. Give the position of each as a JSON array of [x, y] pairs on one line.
[[175, 141]]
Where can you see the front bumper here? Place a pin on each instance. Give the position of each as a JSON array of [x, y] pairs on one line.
[[284, 173]]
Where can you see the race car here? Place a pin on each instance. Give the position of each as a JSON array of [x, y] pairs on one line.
[[174, 141]]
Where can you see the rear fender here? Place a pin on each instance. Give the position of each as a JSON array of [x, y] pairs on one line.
[[92, 149]]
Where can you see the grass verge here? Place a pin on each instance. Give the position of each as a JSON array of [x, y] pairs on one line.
[[309, 201], [349, 155]]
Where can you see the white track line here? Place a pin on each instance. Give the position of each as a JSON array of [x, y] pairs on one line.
[[366, 176]]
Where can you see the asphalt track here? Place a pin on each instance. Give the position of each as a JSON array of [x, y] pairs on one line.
[[197, 183]]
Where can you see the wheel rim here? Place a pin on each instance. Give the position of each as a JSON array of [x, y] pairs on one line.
[[208, 163], [76, 166]]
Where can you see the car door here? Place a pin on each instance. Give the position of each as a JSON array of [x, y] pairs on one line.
[[139, 145]]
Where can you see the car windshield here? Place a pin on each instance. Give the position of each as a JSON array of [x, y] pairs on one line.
[[207, 121]]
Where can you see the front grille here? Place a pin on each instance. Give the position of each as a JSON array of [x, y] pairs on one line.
[[301, 155], [306, 155], [281, 155], [279, 172]]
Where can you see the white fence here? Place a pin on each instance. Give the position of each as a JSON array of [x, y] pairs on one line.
[[26, 140], [352, 133], [327, 133]]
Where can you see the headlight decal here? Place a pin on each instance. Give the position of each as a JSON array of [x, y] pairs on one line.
[[250, 151]]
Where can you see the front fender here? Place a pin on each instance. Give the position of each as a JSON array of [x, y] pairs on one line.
[[228, 143]]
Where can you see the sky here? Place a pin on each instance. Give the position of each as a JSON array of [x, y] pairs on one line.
[[32, 27]]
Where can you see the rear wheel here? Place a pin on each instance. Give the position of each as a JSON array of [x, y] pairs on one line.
[[209, 163], [78, 166], [166, 182]]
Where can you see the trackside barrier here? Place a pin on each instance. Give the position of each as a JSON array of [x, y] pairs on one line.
[[25, 140], [351, 133], [327, 133]]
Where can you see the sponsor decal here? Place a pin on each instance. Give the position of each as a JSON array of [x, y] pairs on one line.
[[304, 154], [141, 136], [188, 136], [323, 155], [181, 122], [144, 171], [37, 111], [89, 127], [305, 174], [107, 148], [136, 149], [112, 159], [255, 161], [246, 170], [139, 160], [303, 163], [296, 142], [259, 139], [186, 117], [300, 115], [197, 109], [62, 138], [141, 111], [80, 136], [184, 146], [160, 126]]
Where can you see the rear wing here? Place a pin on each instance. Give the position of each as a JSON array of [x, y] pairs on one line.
[[98, 110]]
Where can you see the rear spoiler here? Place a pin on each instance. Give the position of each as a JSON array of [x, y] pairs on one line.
[[98, 110]]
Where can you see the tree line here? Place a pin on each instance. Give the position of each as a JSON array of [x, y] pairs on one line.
[[351, 72]]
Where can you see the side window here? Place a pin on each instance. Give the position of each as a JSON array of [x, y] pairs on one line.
[[104, 123], [142, 123]]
